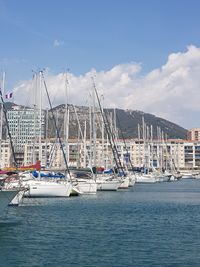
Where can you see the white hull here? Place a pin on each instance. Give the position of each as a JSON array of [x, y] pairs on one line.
[[187, 175], [197, 176], [172, 178], [6, 196], [86, 186], [107, 185], [131, 180], [43, 188], [164, 178], [145, 179], [75, 191], [125, 183]]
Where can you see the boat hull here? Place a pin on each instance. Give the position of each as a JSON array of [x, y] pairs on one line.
[[145, 179], [125, 183], [48, 189], [87, 187], [107, 185], [131, 181]]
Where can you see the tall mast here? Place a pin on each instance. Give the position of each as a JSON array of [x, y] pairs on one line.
[[35, 80], [46, 134], [93, 128], [57, 131], [84, 144], [103, 142], [8, 128], [124, 141], [66, 117], [40, 116], [1, 115], [110, 133]]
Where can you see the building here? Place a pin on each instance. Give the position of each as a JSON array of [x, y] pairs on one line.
[[5, 154], [169, 154], [26, 126], [193, 134]]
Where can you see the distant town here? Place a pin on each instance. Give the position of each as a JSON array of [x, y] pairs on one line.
[[31, 141]]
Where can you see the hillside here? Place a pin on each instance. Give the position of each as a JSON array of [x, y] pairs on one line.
[[130, 119], [126, 120]]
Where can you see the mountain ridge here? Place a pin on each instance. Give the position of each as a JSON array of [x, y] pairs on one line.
[[127, 122]]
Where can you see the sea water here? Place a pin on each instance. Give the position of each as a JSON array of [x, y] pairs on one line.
[[148, 225]]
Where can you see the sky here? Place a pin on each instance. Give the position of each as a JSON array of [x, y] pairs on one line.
[[143, 54]]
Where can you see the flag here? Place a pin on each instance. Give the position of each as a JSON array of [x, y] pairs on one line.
[[9, 95]]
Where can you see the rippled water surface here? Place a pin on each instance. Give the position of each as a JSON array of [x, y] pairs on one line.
[[150, 225]]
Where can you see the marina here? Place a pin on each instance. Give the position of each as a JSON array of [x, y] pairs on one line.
[[99, 133], [148, 225]]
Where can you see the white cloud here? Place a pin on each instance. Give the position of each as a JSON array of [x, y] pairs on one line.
[[172, 91], [57, 43]]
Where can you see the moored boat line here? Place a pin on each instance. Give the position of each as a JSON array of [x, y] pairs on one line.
[[24, 184]]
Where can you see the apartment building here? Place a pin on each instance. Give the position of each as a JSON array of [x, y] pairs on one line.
[[173, 154], [26, 125], [5, 155], [193, 134]]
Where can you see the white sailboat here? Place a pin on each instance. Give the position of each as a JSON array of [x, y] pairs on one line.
[[49, 187], [108, 185], [84, 183], [131, 179], [7, 191], [187, 175], [107, 182], [125, 183], [33, 187], [42, 188], [110, 182], [145, 178], [86, 186]]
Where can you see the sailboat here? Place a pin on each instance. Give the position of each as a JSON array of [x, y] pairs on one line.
[[84, 182], [111, 181], [43, 187], [47, 188], [129, 180], [7, 193], [108, 184]]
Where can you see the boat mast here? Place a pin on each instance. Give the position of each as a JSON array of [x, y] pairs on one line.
[[124, 141], [35, 79], [40, 116], [90, 121], [84, 145], [55, 124], [66, 117], [1, 115], [102, 134], [8, 128], [109, 132], [139, 143], [94, 129], [83, 137]]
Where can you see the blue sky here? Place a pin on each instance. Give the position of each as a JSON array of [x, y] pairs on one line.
[[82, 35], [93, 34]]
